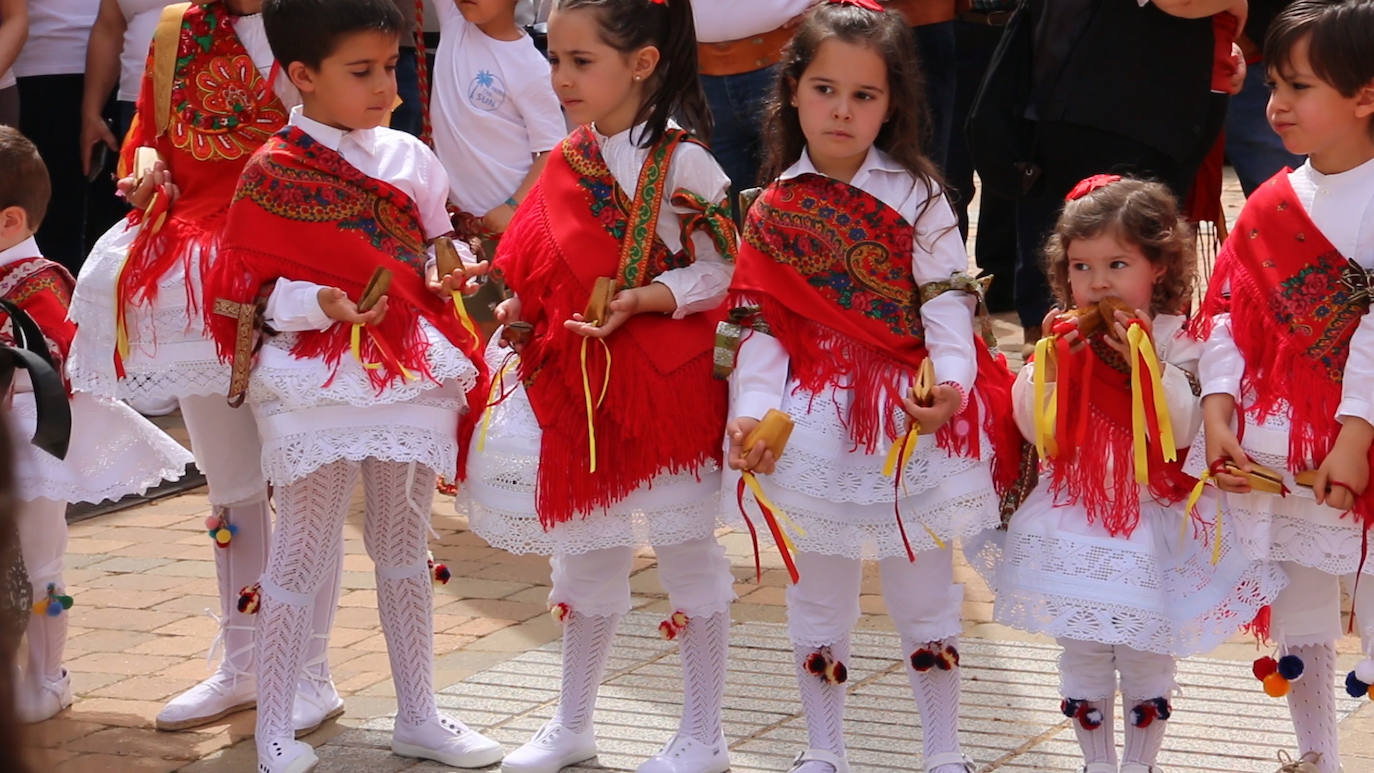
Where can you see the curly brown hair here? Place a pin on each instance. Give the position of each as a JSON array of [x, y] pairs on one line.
[[1139, 212]]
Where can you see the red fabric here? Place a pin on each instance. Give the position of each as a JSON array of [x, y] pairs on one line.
[[1204, 198], [43, 289], [1292, 317], [304, 213], [663, 411], [1225, 28], [830, 267], [214, 84]]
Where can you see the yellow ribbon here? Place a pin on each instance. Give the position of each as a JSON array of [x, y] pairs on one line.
[[902, 450], [355, 342], [1044, 409], [1216, 539], [497, 384], [587, 396], [121, 330], [461, 310], [786, 523], [1142, 350], [1193, 497]]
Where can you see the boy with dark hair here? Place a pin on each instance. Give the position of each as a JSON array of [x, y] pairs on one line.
[[112, 451], [347, 387]]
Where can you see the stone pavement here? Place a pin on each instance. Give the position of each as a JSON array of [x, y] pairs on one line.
[[142, 578]]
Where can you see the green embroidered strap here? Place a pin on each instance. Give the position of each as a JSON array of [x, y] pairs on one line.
[[637, 245], [977, 286], [729, 335], [714, 220]]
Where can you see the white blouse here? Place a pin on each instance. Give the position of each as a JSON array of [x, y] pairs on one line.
[[761, 376], [1342, 206]]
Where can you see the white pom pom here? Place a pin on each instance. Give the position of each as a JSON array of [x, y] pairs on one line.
[[1364, 671]]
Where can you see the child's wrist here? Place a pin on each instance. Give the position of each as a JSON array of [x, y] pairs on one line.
[[963, 395]]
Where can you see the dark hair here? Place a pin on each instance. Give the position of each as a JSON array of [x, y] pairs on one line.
[[24, 178], [1340, 41], [1138, 212], [905, 132], [308, 31], [674, 90]]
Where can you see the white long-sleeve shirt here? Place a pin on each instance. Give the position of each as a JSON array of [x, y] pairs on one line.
[[761, 375], [1342, 207], [718, 21]]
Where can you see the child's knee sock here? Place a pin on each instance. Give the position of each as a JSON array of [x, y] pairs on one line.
[[933, 671], [1312, 702], [705, 646], [586, 646], [823, 703]]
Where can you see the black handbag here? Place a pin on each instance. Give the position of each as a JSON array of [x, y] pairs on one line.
[[1001, 140]]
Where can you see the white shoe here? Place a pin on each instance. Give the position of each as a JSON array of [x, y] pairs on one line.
[[1137, 767], [821, 755], [316, 703], [953, 758], [286, 756], [551, 749], [1099, 767], [685, 754], [444, 739], [35, 704], [222, 694]]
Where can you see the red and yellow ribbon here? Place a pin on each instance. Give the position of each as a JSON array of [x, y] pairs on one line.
[[388, 357]]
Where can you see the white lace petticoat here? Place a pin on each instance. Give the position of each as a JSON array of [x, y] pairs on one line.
[[842, 501], [1156, 590], [170, 355], [1285, 528], [500, 490], [307, 420], [113, 452]]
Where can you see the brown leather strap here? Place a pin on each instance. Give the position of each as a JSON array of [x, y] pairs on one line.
[[733, 57], [246, 314], [165, 40]]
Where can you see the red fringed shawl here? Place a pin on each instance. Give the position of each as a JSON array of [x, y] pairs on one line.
[[830, 267], [663, 411], [221, 110], [304, 213], [1294, 304], [1093, 464], [43, 289]]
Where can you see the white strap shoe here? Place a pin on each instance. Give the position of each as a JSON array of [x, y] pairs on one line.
[[553, 748], [444, 739], [286, 756], [950, 758], [316, 703], [37, 702], [221, 694], [821, 755], [685, 754]]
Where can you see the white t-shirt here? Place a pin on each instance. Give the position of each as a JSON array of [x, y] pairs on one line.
[[492, 109], [720, 20], [140, 18], [58, 31], [6, 79]]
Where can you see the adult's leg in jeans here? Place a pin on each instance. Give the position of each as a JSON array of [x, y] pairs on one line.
[[737, 104], [1255, 150], [935, 47], [50, 115]]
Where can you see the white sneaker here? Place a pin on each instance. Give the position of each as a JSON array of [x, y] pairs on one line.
[[551, 749], [444, 739], [35, 704], [316, 703], [222, 694], [286, 756], [685, 754]]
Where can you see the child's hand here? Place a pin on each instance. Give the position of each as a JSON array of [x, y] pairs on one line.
[[1344, 474], [944, 403], [624, 305], [1222, 444], [1122, 323], [757, 459], [507, 311], [141, 195], [466, 280], [1066, 329], [498, 219], [336, 305], [1238, 71]]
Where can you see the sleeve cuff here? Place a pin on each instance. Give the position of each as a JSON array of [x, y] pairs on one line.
[[1355, 407], [1222, 385], [753, 404], [954, 370]]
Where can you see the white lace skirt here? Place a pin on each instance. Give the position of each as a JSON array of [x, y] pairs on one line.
[[842, 501], [1286, 528], [170, 354], [499, 492], [113, 452], [1156, 590], [306, 420]]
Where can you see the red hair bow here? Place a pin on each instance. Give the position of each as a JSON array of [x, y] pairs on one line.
[[659, 2], [1084, 187], [867, 5]]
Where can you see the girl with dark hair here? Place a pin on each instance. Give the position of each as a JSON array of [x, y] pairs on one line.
[[604, 434], [851, 280]]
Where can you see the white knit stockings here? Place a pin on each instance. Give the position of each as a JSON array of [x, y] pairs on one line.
[[937, 698], [1312, 703], [823, 705], [705, 647], [586, 645]]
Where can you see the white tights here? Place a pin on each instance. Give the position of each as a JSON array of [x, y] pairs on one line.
[[1088, 672]]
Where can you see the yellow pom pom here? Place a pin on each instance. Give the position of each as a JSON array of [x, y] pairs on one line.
[[223, 536], [1275, 686]]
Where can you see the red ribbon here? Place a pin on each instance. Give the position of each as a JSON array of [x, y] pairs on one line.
[[1088, 185], [867, 5], [773, 527]]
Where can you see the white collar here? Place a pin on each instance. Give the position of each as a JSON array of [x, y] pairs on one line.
[[875, 161], [1360, 176], [25, 249], [330, 137]]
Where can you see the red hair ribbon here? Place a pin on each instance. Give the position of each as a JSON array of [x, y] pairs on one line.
[[1086, 186], [867, 5], [659, 2]]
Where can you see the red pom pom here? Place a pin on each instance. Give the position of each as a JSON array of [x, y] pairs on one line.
[[667, 630], [1263, 667], [560, 611], [837, 673], [1143, 714], [815, 663], [1088, 717], [922, 660], [250, 598], [441, 574]]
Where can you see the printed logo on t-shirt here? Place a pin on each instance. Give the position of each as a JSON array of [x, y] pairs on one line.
[[487, 92]]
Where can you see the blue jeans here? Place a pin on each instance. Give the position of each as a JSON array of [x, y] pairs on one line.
[[409, 117], [737, 104], [935, 47], [1255, 150]]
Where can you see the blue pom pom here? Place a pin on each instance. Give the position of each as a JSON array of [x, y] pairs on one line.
[[1290, 667], [1354, 687], [54, 610]]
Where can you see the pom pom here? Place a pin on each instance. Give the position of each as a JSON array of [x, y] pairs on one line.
[[212, 523], [1355, 687], [222, 538], [680, 619], [836, 673], [1143, 714], [922, 660], [1365, 671], [1275, 686], [1371, 692], [815, 663], [1264, 666], [560, 611], [1090, 719], [441, 574], [1069, 707], [65, 601], [40, 607], [250, 598], [953, 654], [1290, 667], [1162, 708], [667, 630]]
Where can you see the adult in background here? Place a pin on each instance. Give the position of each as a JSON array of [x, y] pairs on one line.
[[409, 117], [738, 46], [14, 29], [116, 51], [1104, 99], [1255, 150], [932, 21], [50, 71]]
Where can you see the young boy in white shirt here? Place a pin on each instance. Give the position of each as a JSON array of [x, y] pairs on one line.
[[494, 112]]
